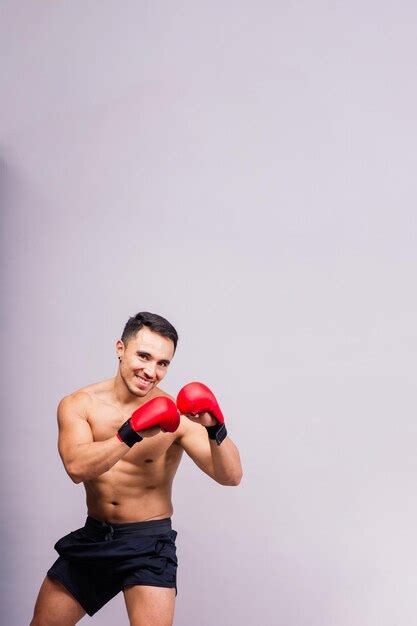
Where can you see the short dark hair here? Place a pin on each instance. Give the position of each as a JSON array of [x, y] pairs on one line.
[[155, 322]]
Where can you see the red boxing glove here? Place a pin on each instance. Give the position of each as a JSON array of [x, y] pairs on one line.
[[197, 398], [160, 411]]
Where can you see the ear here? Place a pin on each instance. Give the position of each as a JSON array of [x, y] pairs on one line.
[[120, 348]]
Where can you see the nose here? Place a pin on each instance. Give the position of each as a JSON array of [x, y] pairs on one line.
[[149, 370]]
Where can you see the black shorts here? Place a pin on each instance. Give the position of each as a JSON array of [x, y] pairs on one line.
[[99, 560]]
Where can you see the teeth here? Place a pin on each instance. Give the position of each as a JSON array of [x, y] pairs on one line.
[[142, 379]]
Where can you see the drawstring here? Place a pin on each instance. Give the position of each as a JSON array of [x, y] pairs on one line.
[[110, 531]]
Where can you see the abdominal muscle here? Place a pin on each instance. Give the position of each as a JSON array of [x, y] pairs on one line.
[[128, 493]]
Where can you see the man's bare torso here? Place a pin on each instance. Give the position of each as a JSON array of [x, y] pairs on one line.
[[138, 487]]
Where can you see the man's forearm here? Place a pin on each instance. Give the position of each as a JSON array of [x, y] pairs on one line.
[[90, 460], [226, 462]]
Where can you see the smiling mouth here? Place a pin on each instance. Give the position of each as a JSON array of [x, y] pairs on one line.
[[142, 380]]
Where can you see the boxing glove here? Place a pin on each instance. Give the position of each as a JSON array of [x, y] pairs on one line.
[[197, 398], [160, 411]]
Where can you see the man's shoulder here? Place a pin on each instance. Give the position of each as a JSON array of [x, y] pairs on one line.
[[78, 401], [158, 392], [84, 395]]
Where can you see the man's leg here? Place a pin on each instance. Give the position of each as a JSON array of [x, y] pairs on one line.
[[55, 606], [150, 606]]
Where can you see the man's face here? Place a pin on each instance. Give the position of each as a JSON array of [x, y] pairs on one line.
[[144, 360]]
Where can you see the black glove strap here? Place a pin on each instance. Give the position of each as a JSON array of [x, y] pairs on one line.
[[128, 435], [217, 432]]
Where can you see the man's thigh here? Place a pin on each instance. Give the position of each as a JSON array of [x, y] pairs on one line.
[[150, 606], [55, 606]]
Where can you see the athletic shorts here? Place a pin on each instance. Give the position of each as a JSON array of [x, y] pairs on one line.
[[99, 560]]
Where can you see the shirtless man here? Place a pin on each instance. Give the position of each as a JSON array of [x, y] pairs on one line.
[[127, 543]]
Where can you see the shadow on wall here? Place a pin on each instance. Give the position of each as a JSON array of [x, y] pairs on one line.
[[21, 207], [10, 187], [16, 202], [16, 197]]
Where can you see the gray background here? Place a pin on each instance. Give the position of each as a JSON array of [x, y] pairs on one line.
[[246, 170]]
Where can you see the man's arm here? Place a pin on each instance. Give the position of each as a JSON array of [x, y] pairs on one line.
[[222, 463], [83, 458]]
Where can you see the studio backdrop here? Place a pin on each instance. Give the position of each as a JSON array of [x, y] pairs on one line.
[[246, 170]]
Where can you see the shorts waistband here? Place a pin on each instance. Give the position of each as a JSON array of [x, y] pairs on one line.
[[151, 527]]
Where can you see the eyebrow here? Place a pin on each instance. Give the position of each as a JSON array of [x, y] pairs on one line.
[[150, 355]]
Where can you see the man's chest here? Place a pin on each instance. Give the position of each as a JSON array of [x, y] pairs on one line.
[[158, 449]]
